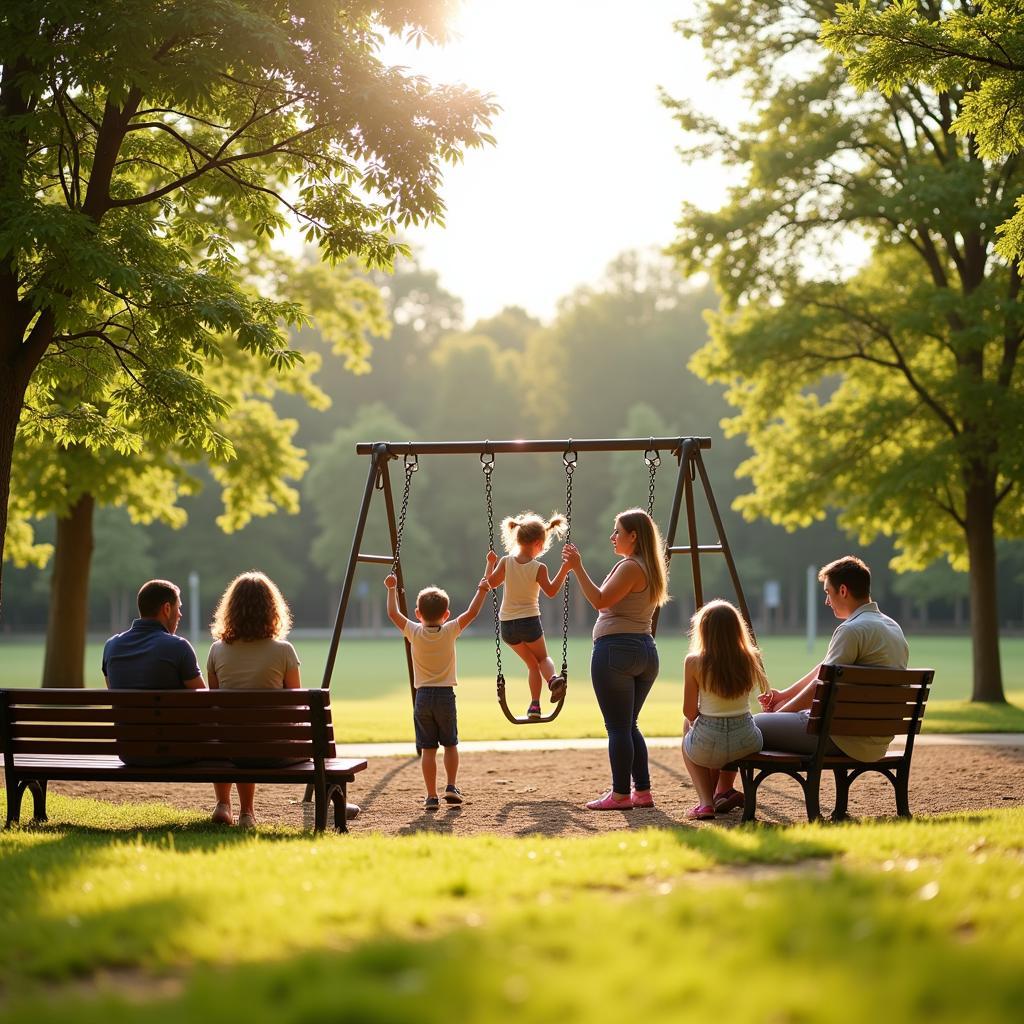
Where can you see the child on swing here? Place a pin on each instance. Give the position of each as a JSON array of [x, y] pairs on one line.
[[721, 671], [526, 537]]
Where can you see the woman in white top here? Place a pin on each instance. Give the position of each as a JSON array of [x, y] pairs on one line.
[[526, 537], [720, 673], [250, 653]]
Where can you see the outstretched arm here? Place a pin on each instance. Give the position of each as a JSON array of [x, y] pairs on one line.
[[553, 586], [475, 605], [391, 582], [495, 571]]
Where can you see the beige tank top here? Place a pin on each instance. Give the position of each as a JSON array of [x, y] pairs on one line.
[[520, 597], [633, 614]]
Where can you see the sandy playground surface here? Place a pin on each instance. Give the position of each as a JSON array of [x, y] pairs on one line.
[[543, 793]]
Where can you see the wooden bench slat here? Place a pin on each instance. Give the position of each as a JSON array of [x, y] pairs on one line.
[[872, 676], [864, 709], [166, 749], [210, 731], [867, 727], [160, 698], [884, 694], [111, 763], [240, 716]]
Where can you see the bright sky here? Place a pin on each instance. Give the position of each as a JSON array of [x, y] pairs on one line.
[[585, 164]]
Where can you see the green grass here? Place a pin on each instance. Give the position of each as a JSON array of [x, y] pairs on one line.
[[146, 913], [371, 691]]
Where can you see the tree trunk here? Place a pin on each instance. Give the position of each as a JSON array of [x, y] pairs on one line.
[[69, 597], [981, 550], [11, 397]]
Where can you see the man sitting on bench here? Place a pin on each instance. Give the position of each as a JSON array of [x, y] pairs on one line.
[[149, 656], [864, 636]]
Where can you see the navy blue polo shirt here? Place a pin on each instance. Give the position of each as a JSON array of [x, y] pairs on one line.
[[147, 657]]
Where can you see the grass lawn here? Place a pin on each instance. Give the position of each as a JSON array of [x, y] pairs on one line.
[[145, 913], [371, 691]]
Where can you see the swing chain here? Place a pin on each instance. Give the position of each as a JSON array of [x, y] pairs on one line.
[[487, 465], [653, 459], [569, 457], [412, 463]]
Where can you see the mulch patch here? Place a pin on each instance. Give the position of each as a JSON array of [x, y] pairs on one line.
[[543, 793]]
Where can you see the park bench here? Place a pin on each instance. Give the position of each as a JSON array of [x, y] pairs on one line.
[[82, 735], [850, 700]]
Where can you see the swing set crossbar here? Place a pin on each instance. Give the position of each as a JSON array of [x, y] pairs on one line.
[[591, 444], [691, 475]]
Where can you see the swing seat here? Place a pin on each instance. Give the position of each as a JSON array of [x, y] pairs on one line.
[[503, 704]]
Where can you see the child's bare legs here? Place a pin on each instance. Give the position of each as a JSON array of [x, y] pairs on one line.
[[428, 764], [222, 812], [535, 678], [246, 793], [451, 764], [703, 778], [725, 782]]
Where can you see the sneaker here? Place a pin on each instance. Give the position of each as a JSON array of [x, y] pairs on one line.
[[702, 812], [557, 685], [533, 711], [246, 821], [431, 803], [728, 800], [610, 802], [222, 815], [642, 798], [452, 794]]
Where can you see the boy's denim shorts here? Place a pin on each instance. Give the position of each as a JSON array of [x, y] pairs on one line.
[[522, 631], [713, 742], [434, 717]]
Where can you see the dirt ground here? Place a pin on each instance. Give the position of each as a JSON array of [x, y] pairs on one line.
[[543, 793]]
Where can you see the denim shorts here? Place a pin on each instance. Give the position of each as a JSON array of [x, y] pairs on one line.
[[713, 742], [522, 631], [434, 717]]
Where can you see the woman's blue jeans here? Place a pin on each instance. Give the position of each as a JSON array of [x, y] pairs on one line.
[[623, 667]]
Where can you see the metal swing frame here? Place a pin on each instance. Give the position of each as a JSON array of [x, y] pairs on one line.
[[685, 450]]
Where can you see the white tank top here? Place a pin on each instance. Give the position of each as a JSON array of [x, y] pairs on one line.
[[520, 597]]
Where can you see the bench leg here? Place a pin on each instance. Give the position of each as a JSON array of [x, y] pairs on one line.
[[749, 794], [902, 786], [38, 788], [812, 795], [842, 794], [339, 797], [14, 794]]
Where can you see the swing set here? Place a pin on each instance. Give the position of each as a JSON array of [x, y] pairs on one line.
[[685, 450]]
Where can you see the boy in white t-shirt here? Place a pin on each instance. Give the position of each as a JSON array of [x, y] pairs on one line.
[[432, 640]]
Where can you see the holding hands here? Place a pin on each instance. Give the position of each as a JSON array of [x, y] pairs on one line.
[[769, 701], [571, 557]]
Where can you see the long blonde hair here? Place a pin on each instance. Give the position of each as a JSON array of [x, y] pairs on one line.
[[528, 528], [650, 549], [251, 608], [730, 663]]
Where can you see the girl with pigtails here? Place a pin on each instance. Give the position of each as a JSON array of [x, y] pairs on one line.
[[526, 537]]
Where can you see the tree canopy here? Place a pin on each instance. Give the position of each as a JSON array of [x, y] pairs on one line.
[[870, 332], [945, 47], [145, 149]]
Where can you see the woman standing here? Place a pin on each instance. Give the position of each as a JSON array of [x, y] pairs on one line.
[[249, 653], [624, 663]]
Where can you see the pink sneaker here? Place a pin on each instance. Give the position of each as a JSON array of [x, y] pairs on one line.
[[642, 798], [610, 802], [702, 812]]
